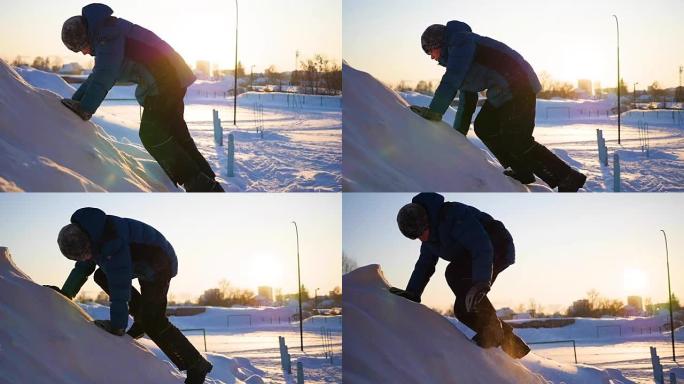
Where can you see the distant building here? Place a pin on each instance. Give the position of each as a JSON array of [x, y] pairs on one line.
[[71, 69], [505, 313], [635, 302], [265, 292], [203, 69], [584, 85]]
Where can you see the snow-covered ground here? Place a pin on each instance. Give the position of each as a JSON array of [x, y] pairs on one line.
[[251, 335], [391, 339], [45, 338], [568, 128], [301, 147]]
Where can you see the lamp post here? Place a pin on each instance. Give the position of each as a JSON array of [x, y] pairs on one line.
[[235, 94], [669, 296], [617, 25], [316, 298], [299, 286], [634, 93], [251, 77]]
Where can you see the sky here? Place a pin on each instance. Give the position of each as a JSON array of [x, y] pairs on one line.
[[565, 245], [270, 31], [568, 39], [247, 239]]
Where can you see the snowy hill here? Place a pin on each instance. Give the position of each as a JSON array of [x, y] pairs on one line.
[[46, 80], [391, 339], [388, 339], [387, 147], [45, 338], [46, 147]]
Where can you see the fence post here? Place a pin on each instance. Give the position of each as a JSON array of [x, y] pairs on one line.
[[300, 373], [218, 130], [230, 158], [616, 172], [657, 367]]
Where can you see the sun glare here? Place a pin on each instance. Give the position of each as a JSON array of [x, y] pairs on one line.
[[634, 281]]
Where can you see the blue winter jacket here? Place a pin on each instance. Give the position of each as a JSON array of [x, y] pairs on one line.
[[476, 63], [126, 52], [124, 249], [458, 230]]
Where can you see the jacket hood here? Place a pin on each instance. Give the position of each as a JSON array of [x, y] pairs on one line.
[[432, 202], [95, 14], [453, 28], [92, 221]]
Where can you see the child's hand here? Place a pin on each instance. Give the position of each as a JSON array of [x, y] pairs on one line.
[[405, 294], [426, 113]]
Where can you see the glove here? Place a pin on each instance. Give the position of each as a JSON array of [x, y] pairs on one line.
[[426, 113], [107, 326], [475, 295], [57, 289], [75, 107], [405, 294]]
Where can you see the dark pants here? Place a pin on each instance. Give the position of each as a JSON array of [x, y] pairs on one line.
[[507, 130], [459, 277], [147, 307], [165, 135]]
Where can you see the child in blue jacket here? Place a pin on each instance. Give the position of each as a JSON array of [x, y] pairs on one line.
[[505, 122], [118, 250], [477, 247], [126, 52]]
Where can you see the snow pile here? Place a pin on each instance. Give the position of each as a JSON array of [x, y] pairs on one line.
[[45, 338], [387, 147], [389, 339], [46, 147], [46, 80]]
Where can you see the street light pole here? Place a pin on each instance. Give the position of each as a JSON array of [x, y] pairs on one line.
[[617, 25], [669, 296], [634, 93], [316, 298], [236, 67], [299, 285]]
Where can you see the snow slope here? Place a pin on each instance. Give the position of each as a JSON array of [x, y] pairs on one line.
[[387, 147], [46, 80], [46, 147], [388, 339], [45, 338], [391, 339]]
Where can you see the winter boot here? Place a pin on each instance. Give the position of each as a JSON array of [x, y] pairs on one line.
[[554, 171], [513, 345], [136, 330], [490, 336], [182, 353], [198, 372], [202, 183], [573, 182], [523, 176]]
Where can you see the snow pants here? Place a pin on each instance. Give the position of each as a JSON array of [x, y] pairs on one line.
[[164, 133], [507, 132], [483, 319], [148, 308]]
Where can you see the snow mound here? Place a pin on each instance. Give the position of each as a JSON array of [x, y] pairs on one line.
[[387, 147], [45, 338], [46, 80], [388, 339], [46, 147]]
